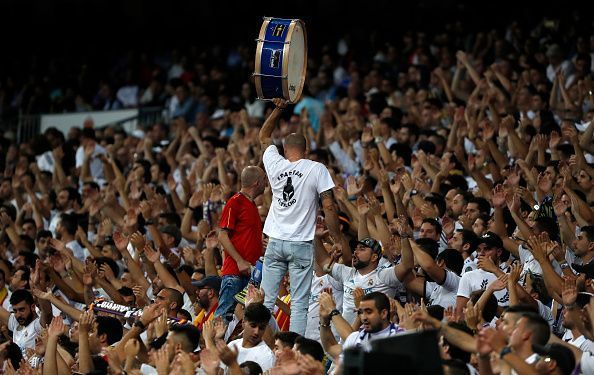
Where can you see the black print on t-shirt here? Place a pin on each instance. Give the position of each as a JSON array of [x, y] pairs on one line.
[[288, 190]]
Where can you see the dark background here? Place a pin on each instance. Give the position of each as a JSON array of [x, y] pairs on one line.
[[38, 27]]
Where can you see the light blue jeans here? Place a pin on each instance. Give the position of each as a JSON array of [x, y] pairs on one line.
[[297, 258]]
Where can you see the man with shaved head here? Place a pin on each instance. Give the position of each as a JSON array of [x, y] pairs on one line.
[[240, 234], [297, 186]]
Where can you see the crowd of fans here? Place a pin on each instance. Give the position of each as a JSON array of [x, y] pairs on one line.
[[463, 173]]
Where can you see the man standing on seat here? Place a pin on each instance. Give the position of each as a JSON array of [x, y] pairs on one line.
[[296, 184]]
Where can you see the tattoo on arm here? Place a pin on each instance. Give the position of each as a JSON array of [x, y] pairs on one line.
[[326, 194]]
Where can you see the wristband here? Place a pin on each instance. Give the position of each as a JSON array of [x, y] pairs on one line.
[[140, 325], [505, 351], [333, 313]]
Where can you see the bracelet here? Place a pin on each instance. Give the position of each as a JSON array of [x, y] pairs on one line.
[[324, 325], [140, 325], [149, 222]]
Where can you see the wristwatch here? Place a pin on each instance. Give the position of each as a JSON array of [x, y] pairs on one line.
[[505, 351], [332, 313]]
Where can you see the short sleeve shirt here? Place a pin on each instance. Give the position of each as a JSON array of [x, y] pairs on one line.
[[241, 219], [24, 336], [295, 190]]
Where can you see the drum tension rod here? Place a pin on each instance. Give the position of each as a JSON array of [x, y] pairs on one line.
[[271, 41], [269, 75]]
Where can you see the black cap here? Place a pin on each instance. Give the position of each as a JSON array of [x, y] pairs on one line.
[[373, 244], [560, 354], [213, 282], [587, 268], [491, 239]]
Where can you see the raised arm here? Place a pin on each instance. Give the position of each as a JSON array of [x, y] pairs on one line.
[[265, 135], [330, 216]]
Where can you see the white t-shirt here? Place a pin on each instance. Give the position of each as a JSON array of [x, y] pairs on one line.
[[261, 354], [379, 280], [79, 251], [587, 363], [480, 279], [24, 336], [443, 295], [546, 313], [295, 190], [363, 339], [95, 165], [318, 284], [469, 265], [581, 342]]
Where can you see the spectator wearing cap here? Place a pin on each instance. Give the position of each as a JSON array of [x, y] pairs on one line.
[[208, 298], [363, 274], [240, 235], [555, 359], [489, 252]]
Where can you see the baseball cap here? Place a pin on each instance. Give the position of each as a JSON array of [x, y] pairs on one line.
[[213, 282], [587, 268], [560, 354], [173, 231], [491, 240], [373, 244]]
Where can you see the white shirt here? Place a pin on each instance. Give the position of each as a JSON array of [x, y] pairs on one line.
[[546, 313], [261, 354], [295, 190], [379, 280], [480, 279], [587, 363], [530, 360], [24, 336], [79, 251], [581, 342], [95, 165], [443, 295], [363, 339], [46, 162], [318, 284]]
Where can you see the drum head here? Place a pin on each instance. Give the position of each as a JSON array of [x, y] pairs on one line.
[[297, 61]]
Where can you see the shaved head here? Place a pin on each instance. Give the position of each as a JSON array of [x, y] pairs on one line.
[[296, 142], [250, 175]]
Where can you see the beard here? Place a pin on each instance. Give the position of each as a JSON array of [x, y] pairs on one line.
[[358, 264], [25, 321]]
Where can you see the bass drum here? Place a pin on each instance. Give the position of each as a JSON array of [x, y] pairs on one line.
[[281, 59]]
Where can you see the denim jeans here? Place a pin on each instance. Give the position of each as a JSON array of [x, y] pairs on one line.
[[230, 286], [297, 258]]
